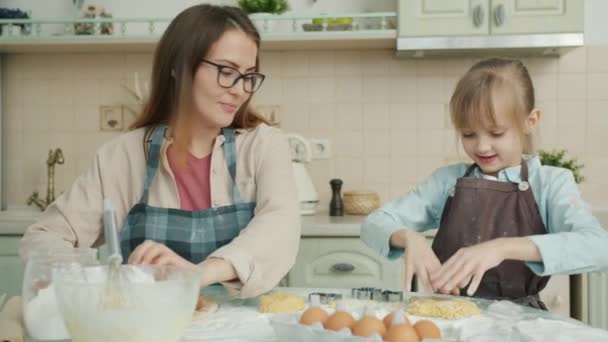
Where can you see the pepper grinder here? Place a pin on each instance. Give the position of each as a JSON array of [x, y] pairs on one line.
[[336, 208]]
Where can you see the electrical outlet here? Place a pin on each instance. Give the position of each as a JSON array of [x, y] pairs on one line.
[[110, 118], [272, 113], [321, 148]]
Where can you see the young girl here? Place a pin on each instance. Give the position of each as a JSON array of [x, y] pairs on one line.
[[505, 222], [201, 181]]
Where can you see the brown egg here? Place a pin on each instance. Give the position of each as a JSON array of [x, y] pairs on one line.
[[313, 315], [339, 320], [401, 333], [388, 320], [427, 329], [367, 326]]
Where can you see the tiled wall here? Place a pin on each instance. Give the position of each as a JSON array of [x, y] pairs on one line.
[[386, 118]]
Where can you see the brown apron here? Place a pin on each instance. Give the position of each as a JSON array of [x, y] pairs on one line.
[[479, 210]]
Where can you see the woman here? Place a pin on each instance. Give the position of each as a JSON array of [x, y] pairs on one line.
[[200, 180]]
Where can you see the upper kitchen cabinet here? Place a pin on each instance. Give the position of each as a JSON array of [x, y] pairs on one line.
[[482, 17], [545, 27]]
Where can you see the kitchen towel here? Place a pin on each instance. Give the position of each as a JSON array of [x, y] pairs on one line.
[[11, 327]]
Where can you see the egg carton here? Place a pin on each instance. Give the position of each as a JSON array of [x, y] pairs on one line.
[[287, 328]]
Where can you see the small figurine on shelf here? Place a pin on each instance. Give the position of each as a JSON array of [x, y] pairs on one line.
[[88, 12], [106, 28], [92, 12]]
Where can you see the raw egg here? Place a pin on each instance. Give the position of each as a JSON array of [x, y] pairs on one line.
[[312, 315], [339, 320], [401, 333], [368, 326], [427, 329], [388, 320]]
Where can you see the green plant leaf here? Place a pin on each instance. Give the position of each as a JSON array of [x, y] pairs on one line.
[[557, 158]]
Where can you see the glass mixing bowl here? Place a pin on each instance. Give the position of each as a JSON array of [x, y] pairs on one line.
[[43, 321], [157, 302]]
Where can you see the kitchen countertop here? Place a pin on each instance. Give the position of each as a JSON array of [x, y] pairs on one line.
[[239, 320]]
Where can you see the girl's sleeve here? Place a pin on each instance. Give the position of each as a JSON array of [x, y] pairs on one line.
[[419, 209], [576, 242]]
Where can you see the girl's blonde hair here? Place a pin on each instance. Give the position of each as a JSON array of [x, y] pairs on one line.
[[472, 103]]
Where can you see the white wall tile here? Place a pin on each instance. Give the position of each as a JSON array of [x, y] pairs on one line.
[[375, 63], [386, 118], [376, 142], [321, 63], [403, 89], [596, 59], [573, 61], [597, 86], [349, 116], [376, 116], [294, 64], [431, 116], [545, 87], [348, 63], [349, 89], [376, 89], [429, 89], [572, 115], [403, 116], [403, 170], [348, 144], [321, 89], [376, 169], [597, 114], [402, 67], [295, 89], [404, 142], [572, 87]]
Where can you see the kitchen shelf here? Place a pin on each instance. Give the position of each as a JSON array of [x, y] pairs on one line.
[[279, 32]]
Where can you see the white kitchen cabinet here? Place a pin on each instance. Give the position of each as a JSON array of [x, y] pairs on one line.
[[419, 18], [346, 262], [343, 263]]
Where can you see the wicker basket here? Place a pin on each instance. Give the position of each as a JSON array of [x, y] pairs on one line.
[[360, 202]]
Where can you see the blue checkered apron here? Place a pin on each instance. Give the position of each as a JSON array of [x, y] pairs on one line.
[[194, 235]]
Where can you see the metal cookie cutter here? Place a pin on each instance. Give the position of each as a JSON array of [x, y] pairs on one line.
[[392, 296], [325, 297], [370, 293]]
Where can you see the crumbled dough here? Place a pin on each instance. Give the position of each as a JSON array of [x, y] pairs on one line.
[[280, 302], [448, 308]]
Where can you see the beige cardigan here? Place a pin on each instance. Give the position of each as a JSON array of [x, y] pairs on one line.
[[263, 252]]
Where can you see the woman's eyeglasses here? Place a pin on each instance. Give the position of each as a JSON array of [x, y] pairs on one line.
[[228, 76]]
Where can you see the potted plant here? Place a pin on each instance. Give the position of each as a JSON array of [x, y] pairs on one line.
[[264, 6], [261, 11], [556, 158]]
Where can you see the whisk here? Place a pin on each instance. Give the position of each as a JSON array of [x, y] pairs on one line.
[[116, 292]]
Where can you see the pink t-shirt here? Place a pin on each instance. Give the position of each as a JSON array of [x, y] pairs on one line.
[[192, 180]]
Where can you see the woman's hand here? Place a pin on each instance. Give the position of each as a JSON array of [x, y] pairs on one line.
[[419, 258], [467, 267], [151, 252]]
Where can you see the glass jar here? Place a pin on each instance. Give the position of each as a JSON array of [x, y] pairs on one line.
[[41, 315]]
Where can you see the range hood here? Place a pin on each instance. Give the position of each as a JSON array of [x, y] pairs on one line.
[[520, 45]]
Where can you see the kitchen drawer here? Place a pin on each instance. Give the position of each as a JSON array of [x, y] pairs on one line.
[[343, 263]]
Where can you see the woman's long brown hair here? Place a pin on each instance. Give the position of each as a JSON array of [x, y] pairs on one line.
[[178, 54]]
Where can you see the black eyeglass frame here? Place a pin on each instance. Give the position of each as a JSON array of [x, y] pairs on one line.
[[221, 67]]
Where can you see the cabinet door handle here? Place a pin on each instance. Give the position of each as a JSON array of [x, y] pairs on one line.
[[478, 15], [499, 14], [343, 268]]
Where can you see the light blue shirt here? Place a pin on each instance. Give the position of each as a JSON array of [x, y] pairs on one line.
[[575, 242]]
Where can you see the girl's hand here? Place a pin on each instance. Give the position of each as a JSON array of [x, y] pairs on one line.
[[467, 267], [419, 259], [151, 252]]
